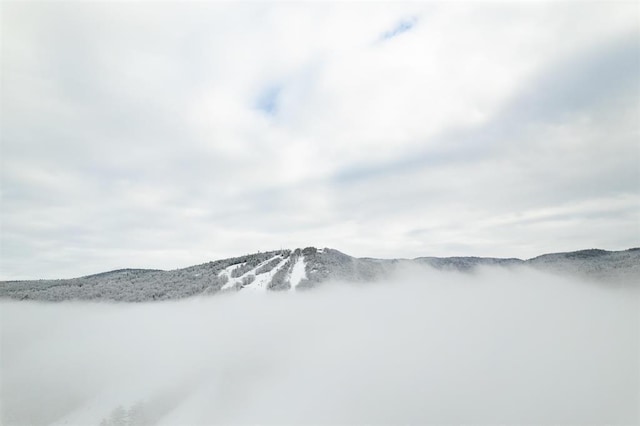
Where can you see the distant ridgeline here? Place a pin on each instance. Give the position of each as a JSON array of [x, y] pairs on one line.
[[290, 270]]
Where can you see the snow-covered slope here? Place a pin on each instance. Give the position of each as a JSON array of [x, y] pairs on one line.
[[297, 270]]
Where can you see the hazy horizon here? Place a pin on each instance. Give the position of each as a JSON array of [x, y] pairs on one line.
[[242, 254]]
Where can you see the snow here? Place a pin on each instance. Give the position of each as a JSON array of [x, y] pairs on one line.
[[298, 273], [227, 271], [262, 280]]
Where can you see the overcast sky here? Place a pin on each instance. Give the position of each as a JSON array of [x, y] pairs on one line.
[[161, 135]]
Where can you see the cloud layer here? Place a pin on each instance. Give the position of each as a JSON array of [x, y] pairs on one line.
[[163, 135], [499, 347]]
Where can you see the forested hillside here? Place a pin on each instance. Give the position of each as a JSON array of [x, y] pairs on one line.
[[288, 270]]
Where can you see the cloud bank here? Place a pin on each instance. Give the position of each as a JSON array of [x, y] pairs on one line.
[[498, 347], [162, 134]]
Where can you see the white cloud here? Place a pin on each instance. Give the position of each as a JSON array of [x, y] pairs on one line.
[[510, 346]]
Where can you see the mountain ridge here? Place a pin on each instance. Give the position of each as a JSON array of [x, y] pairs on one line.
[[297, 269]]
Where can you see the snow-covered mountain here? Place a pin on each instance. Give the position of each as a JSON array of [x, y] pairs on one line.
[[292, 270]]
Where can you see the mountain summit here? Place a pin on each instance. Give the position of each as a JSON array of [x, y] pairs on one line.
[[292, 270]]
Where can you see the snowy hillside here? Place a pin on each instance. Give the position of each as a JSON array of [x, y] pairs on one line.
[[291, 270]]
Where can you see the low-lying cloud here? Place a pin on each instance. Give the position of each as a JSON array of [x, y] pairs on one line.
[[497, 347]]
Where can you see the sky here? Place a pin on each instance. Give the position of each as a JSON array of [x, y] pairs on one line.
[[162, 135]]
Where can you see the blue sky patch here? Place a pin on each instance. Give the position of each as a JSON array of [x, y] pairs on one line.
[[267, 101], [401, 27]]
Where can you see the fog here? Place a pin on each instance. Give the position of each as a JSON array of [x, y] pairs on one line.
[[501, 346]]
